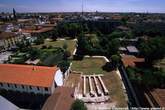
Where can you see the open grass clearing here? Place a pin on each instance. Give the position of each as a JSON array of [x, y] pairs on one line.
[[114, 86], [59, 43], [89, 65]]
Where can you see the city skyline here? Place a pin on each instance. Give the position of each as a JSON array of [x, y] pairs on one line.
[[89, 6]]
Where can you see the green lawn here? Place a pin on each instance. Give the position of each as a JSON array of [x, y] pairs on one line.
[[59, 43], [114, 85], [89, 65]]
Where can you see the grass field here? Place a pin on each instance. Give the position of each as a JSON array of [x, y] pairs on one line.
[[111, 79], [59, 43], [114, 86], [89, 65]]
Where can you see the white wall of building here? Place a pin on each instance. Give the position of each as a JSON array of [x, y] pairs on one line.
[[58, 78], [26, 88]]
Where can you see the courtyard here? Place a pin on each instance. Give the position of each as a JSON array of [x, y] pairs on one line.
[[85, 77]]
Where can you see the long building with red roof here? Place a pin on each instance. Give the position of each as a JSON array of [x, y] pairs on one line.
[[29, 78]]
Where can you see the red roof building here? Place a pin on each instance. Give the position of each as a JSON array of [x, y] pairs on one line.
[[130, 60], [28, 78]]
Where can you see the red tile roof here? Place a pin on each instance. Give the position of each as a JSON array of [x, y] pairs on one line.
[[159, 96], [45, 29], [27, 74], [129, 60]]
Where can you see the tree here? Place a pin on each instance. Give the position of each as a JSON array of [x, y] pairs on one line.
[[115, 60], [34, 53], [83, 44], [78, 105], [160, 75], [124, 21], [39, 40], [113, 46], [153, 49], [69, 29], [24, 45], [67, 54], [54, 34], [65, 46], [63, 65], [116, 34]]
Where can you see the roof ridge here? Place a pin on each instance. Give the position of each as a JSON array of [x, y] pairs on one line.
[[24, 65]]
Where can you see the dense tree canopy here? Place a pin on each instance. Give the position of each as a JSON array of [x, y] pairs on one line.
[[150, 77], [153, 48], [97, 45], [149, 28], [68, 29]]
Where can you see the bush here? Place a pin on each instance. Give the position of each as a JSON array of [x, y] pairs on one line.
[[78, 105], [108, 67], [67, 54], [115, 60], [63, 65], [44, 47], [39, 41]]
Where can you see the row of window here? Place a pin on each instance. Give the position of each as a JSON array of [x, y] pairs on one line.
[[46, 89]]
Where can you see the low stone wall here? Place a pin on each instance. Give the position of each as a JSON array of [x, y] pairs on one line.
[[105, 58], [66, 74]]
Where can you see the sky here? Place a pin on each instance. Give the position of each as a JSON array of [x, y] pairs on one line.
[[153, 6]]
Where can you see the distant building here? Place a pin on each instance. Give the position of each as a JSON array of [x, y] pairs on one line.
[[8, 40], [123, 28], [157, 98], [132, 50], [129, 41], [129, 50], [36, 29], [132, 61], [30, 79], [122, 50]]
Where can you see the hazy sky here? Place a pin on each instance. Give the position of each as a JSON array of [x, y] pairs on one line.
[[89, 5]]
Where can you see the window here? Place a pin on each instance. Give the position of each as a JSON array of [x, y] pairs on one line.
[[30, 87], [15, 85], [1, 84], [22, 86], [38, 88], [46, 89], [8, 85]]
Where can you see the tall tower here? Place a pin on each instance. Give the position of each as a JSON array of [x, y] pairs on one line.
[[14, 14], [82, 7]]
